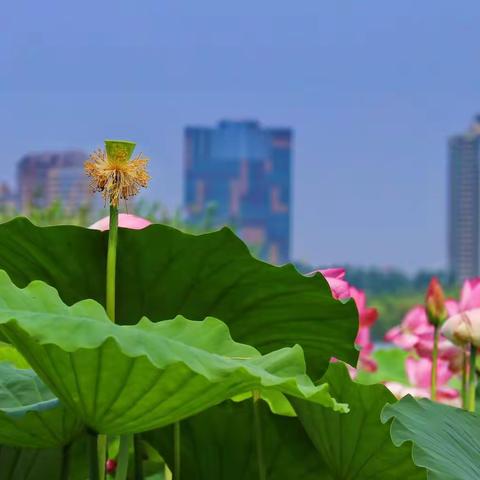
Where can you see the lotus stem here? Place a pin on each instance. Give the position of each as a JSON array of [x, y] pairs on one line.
[[112, 262], [110, 302], [93, 456], [122, 459], [65, 469], [177, 446], [433, 383], [138, 456], [102, 454], [258, 435], [464, 379], [472, 379]]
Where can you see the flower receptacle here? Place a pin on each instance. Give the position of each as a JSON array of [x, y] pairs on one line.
[[119, 150]]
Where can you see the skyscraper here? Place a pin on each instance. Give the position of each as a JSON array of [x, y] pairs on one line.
[[241, 172], [48, 176], [8, 199], [463, 203]]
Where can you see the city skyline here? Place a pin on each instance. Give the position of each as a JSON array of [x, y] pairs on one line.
[[238, 172], [463, 232], [371, 105]]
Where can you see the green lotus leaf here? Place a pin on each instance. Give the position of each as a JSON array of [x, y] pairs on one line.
[[30, 415], [125, 379], [30, 464], [46, 463], [356, 446], [446, 440], [162, 273], [220, 444], [277, 402], [8, 353]]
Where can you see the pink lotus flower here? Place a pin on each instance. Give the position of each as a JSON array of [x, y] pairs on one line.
[[414, 324], [365, 361], [336, 280], [419, 377], [463, 324], [445, 395], [470, 295], [452, 307], [463, 328], [341, 290], [419, 372], [125, 220], [446, 351], [363, 339], [334, 272], [368, 315], [415, 334]]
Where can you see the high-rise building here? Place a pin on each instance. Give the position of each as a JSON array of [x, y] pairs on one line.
[[239, 173], [46, 177], [463, 203], [8, 199]]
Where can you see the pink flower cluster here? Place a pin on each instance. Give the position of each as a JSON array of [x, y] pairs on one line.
[[341, 289], [415, 335]]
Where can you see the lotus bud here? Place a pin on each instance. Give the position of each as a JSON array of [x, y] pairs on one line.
[[111, 466], [435, 303], [463, 328]]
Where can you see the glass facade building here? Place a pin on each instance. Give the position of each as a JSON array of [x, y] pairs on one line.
[[239, 173], [463, 203]]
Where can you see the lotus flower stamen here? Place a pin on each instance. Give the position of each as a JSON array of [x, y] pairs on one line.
[[116, 176]]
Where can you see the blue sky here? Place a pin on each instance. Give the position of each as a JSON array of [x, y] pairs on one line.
[[373, 88]]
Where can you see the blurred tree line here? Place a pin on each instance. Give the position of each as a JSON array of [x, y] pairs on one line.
[[57, 214], [378, 281]]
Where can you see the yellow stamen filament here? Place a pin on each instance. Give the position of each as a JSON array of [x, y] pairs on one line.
[[116, 178]]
